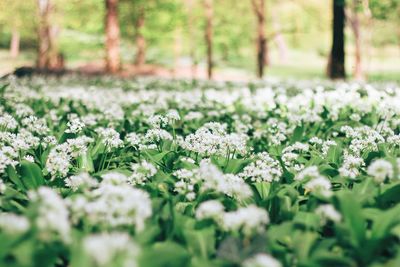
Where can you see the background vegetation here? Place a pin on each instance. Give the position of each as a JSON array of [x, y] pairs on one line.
[[298, 34]]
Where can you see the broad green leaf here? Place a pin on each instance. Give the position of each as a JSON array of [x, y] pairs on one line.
[[165, 254], [31, 175], [200, 242]]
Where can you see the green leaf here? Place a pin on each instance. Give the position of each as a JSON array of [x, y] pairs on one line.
[[236, 165], [200, 242], [263, 189], [297, 134], [334, 154], [390, 195], [31, 175], [85, 162], [165, 254], [353, 217], [14, 177], [307, 219]]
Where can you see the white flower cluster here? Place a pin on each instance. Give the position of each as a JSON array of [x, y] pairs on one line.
[[81, 180], [111, 249], [13, 224], [75, 124], [59, 160], [328, 212], [228, 184], [351, 166], [110, 137], [7, 122], [264, 169], [52, 217], [209, 177], [261, 260], [7, 158], [212, 139], [291, 154], [380, 170], [113, 203], [362, 139], [248, 220], [315, 182], [141, 172]]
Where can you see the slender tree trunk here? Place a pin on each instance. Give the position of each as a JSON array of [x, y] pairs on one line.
[[140, 59], [192, 54], [177, 51], [336, 65], [48, 55], [14, 44], [259, 10], [113, 61], [208, 4], [355, 26], [280, 40]]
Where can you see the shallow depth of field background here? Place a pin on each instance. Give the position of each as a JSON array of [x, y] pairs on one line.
[[298, 33]]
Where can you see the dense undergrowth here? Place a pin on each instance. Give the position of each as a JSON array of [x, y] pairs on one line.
[[178, 173]]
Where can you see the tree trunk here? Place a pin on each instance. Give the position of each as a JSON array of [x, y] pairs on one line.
[[192, 54], [177, 52], [14, 44], [48, 55], [355, 26], [113, 61], [259, 10], [280, 40], [208, 4], [336, 65], [140, 41]]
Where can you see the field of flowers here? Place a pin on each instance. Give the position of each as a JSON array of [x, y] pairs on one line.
[[153, 173]]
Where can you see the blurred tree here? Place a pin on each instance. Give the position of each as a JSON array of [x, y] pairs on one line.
[[140, 40], [112, 36], [189, 5], [336, 63], [208, 5], [354, 18], [262, 49], [17, 18], [49, 57]]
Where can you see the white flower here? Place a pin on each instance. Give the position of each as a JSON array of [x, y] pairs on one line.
[[3, 187], [114, 203], [172, 115], [80, 180], [13, 224], [351, 166], [29, 158], [319, 184], [261, 260], [5, 161], [228, 184], [110, 137], [75, 124], [310, 172], [133, 139], [7, 122], [52, 215], [249, 219], [58, 161], [328, 211], [105, 248], [209, 209], [380, 169], [141, 172]]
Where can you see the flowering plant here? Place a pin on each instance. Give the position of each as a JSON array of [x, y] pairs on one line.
[[178, 173]]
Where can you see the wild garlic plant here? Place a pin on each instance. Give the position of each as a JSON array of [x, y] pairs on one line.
[[150, 172]]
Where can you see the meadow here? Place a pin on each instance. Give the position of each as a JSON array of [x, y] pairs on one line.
[[108, 172]]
